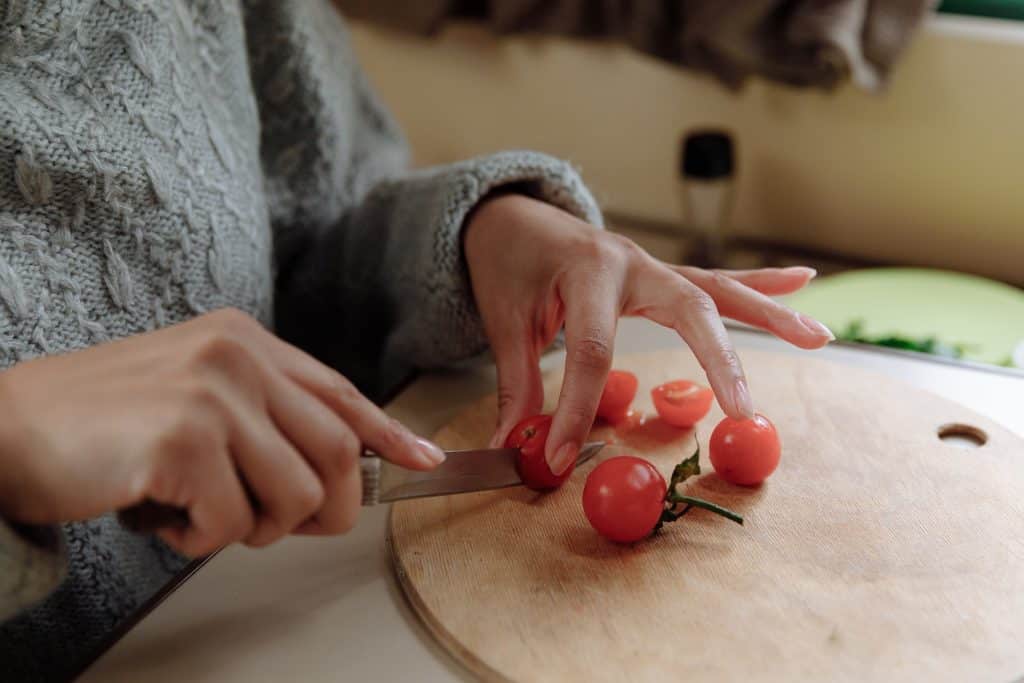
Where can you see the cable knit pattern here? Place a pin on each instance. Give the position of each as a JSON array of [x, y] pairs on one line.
[[160, 159]]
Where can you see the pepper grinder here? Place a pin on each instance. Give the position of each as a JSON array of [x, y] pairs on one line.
[[706, 188]]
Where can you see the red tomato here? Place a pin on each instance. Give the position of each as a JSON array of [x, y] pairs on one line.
[[745, 452], [682, 403], [529, 436], [623, 498], [618, 394]]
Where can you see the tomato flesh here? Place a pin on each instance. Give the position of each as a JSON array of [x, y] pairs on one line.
[[745, 452], [530, 436], [619, 392], [682, 403], [623, 498]]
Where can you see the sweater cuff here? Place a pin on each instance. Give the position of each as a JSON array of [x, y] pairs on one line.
[[460, 334], [33, 562]]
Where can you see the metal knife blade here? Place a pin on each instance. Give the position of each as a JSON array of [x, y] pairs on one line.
[[461, 472]]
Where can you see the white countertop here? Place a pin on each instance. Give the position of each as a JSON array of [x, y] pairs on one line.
[[328, 609]]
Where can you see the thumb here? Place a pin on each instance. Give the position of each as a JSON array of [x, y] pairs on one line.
[[520, 389]]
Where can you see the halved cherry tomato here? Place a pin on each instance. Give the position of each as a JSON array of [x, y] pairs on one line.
[[623, 498], [529, 437], [745, 452], [682, 403], [619, 392]]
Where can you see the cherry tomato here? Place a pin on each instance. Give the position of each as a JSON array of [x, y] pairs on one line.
[[682, 403], [618, 394], [745, 452], [529, 436], [623, 498]]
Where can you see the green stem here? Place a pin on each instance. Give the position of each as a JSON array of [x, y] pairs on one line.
[[683, 471], [709, 506]]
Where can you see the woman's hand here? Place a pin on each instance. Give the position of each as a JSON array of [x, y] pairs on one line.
[[534, 268], [254, 438]]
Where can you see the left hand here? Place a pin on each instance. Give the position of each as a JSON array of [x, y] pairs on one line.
[[535, 268]]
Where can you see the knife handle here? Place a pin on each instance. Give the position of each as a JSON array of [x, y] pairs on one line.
[[149, 516]]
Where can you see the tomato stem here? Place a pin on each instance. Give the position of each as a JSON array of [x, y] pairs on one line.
[[711, 507], [673, 499]]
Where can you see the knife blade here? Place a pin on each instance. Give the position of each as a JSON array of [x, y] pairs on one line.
[[461, 472]]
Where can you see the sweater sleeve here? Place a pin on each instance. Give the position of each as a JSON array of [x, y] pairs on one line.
[[32, 564], [388, 289]]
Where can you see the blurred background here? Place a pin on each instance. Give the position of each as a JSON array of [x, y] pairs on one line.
[[907, 194]]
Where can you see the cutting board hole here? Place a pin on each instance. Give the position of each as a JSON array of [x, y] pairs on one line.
[[963, 436]]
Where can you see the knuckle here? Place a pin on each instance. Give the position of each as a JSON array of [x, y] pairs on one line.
[[721, 280], [697, 301], [344, 456], [729, 359], [607, 252], [343, 390], [350, 447], [239, 526], [506, 397], [266, 533], [626, 245], [592, 352], [168, 480], [222, 350], [234, 320], [201, 399], [186, 437], [309, 498], [347, 521]]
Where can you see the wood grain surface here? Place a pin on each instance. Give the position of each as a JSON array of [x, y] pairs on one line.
[[876, 552]]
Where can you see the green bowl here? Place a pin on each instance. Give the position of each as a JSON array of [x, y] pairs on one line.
[[984, 316]]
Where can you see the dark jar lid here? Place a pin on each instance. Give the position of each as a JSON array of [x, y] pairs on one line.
[[707, 154]]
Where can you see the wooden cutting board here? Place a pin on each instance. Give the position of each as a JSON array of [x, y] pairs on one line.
[[875, 552]]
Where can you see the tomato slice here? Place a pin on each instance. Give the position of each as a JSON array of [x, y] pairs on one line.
[[623, 498], [682, 403], [530, 436], [745, 452], [619, 392]]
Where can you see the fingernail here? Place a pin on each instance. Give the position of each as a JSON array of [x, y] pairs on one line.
[[741, 398], [815, 327], [431, 453], [564, 458], [811, 272]]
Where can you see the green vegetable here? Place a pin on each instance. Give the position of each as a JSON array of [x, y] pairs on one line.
[[854, 332], [673, 499]]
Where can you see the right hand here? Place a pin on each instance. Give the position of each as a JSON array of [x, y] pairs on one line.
[[211, 415]]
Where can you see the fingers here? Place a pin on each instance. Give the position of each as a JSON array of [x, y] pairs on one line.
[[330, 447], [376, 430], [740, 302], [770, 281], [219, 512], [592, 308], [669, 300], [383, 434], [520, 390], [283, 484]]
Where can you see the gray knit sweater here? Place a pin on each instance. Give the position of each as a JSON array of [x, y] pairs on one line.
[[159, 159]]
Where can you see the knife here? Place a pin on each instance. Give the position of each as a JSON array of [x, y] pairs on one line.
[[462, 472]]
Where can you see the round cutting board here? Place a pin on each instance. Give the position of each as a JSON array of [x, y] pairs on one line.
[[876, 552]]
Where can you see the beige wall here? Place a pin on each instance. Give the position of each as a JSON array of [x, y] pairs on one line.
[[930, 173]]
